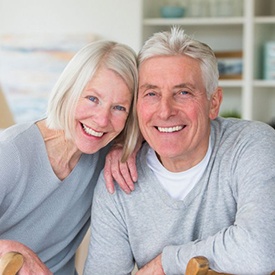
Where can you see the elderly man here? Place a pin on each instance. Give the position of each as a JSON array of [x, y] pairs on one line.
[[206, 185]]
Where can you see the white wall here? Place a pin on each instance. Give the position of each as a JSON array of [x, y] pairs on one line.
[[118, 20]]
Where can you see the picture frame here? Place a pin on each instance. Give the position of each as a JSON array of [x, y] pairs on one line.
[[230, 64]]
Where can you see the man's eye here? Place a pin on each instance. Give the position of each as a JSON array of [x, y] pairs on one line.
[[93, 98], [150, 94], [184, 92], [120, 108]]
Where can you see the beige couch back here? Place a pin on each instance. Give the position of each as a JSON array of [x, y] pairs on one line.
[[6, 117]]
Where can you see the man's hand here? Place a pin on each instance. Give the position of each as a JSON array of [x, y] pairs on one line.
[[125, 174], [152, 268], [32, 264]]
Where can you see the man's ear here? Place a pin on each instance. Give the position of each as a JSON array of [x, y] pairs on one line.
[[215, 103]]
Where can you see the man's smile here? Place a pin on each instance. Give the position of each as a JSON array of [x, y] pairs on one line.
[[170, 129]]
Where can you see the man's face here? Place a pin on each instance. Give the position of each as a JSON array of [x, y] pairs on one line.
[[173, 110]]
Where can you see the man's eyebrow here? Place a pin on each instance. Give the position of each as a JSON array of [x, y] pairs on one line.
[[181, 85], [184, 85], [147, 86]]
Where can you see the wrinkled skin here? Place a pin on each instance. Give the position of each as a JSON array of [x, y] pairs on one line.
[[32, 264]]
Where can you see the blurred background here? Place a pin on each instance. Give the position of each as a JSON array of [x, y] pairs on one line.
[[38, 38]]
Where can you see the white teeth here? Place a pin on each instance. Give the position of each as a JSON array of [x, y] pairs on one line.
[[91, 132], [170, 129]]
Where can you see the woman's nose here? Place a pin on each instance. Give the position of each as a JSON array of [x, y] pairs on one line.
[[103, 117]]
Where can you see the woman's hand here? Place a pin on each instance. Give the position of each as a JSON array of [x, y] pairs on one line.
[[32, 264], [125, 174]]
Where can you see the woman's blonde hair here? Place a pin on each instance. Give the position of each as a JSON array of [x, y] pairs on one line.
[[80, 70]]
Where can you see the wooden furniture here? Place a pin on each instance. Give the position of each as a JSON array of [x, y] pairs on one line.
[[10, 263], [200, 266]]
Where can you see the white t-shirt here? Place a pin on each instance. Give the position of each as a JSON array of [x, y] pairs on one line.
[[178, 185]]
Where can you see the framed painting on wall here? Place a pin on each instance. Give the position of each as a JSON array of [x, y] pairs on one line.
[[29, 68], [230, 64]]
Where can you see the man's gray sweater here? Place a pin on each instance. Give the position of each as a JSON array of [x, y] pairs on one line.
[[228, 217]]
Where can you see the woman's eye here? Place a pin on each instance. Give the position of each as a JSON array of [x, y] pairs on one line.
[[120, 108], [93, 98]]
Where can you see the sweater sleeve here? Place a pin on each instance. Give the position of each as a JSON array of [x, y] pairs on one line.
[[248, 245], [109, 250]]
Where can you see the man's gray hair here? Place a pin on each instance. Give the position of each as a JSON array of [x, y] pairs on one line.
[[177, 42]]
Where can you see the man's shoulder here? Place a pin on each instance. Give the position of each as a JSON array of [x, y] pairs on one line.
[[232, 127]]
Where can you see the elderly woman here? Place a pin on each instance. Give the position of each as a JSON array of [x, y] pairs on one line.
[[49, 168]]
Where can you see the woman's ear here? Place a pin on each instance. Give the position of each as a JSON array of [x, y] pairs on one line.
[[215, 103]]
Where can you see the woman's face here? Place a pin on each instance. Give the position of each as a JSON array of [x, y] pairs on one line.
[[101, 111]]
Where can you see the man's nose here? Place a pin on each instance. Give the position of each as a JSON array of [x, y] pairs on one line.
[[166, 108]]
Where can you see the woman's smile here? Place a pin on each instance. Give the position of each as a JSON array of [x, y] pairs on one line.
[[91, 132]]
